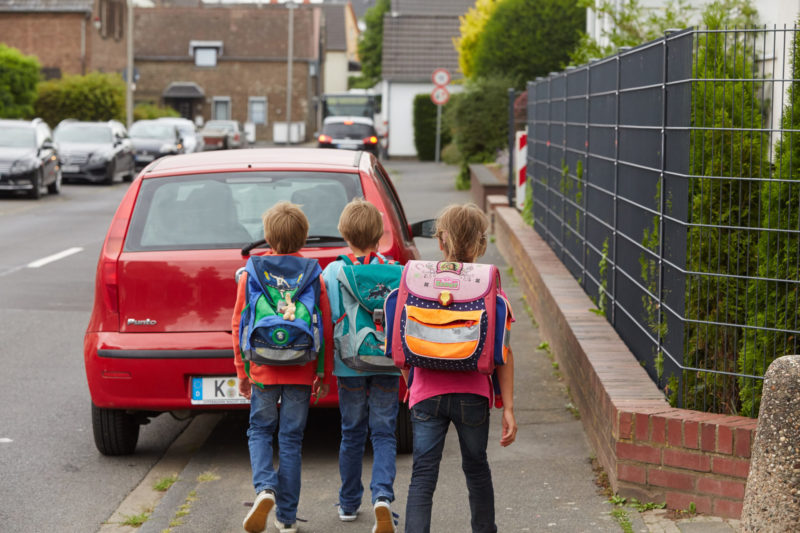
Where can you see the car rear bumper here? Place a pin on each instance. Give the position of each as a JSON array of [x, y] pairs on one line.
[[88, 173], [156, 374]]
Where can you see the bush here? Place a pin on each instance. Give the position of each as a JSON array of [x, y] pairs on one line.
[[425, 128], [479, 119], [148, 111], [95, 96], [19, 75], [451, 155]]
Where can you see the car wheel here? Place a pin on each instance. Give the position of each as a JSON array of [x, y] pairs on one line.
[[405, 438], [36, 191], [110, 171], [55, 187], [115, 431]]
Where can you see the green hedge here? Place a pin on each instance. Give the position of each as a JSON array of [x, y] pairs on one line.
[[146, 111], [425, 128], [479, 119], [95, 96], [19, 75]]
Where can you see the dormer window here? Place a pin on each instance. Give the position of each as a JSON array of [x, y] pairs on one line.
[[205, 53]]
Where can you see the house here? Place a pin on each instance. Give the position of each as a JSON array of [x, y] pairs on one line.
[[341, 46], [229, 61], [67, 36], [417, 39]]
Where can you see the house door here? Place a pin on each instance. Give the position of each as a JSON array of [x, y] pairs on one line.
[[184, 106]]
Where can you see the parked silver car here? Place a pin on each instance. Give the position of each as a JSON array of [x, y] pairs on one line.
[[222, 135], [190, 136]]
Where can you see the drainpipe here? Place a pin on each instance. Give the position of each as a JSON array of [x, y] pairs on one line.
[[83, 45]]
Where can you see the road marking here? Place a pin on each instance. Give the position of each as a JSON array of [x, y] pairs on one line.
[[55, 257], [5, 440]]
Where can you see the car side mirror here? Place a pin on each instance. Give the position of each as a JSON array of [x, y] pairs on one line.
[[48, 145], [424, 228]]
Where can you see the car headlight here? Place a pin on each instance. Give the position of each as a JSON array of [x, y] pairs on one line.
[[21, 166], [168, 148], [99, 158]]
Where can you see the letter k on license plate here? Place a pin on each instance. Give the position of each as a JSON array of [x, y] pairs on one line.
[[216, 390]]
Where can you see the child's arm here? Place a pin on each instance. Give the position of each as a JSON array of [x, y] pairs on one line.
[[505, 375], [241, 296]]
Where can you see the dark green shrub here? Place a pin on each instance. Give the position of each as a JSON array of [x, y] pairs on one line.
[[479, 119], [524, 39], [19, 75], [95, 96], [149, 111], [425, 128]]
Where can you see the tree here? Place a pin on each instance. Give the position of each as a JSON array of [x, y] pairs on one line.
[[19, 75], [471, 28], [95, 96], [425, 128], [522, 41], [370, 47]]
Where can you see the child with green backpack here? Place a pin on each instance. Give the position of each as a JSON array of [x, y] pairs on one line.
[[282, 343], [368, 381]]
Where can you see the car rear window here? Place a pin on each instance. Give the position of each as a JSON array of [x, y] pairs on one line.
[[340, 130], [217, 211]]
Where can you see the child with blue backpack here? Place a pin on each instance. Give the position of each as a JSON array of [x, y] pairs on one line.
[[449, 333], [282, 342], [367, 380]]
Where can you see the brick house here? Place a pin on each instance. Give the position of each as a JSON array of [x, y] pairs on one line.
[[67, 36], [229, 61]]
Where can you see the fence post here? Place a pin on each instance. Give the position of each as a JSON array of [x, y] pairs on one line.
[[511, 146]]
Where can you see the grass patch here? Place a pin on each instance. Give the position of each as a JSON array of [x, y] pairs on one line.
[[544, 345], [163, 484], [135, 520], [621, 516], [205, 477], [573, 410]]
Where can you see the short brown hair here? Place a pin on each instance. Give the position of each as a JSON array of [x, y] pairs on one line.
[[285, 227], [461, 230], [361, 224]]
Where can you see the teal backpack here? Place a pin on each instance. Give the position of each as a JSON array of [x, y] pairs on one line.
[[359, 333], [281, 323]]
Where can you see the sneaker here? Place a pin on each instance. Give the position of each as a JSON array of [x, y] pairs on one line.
[[347, 516], [384, 519], [256, 519], [285, 528]]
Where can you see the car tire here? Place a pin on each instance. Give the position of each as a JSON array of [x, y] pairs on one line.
[[110, 170], [55, 187], [404, 434], [36, 192], [115, 431]]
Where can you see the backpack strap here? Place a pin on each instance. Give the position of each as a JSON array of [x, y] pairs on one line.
[[348, 259]]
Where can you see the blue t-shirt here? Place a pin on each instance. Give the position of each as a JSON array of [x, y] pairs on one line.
[[329, 274]]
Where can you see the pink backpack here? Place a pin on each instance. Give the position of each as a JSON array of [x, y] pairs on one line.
[[444, 316]]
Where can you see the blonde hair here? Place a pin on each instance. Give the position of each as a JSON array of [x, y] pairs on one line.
[[461, 230], [285, 227], [361, 224]]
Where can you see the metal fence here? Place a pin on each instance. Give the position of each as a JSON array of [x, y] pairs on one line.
[[667, 180]]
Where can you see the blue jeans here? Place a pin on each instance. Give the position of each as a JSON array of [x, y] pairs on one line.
[[430, 420], [367, 403], [264, 419]]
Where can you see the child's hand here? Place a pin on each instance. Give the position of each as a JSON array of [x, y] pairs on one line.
[[509, 427], [245, 387], [320, 389]]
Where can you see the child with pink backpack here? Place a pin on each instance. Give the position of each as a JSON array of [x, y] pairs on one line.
[[447, 329]]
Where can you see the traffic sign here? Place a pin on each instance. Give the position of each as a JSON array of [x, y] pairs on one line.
[[440, 96], [440, 77]]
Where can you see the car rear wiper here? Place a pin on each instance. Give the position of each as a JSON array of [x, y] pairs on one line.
[[320, 239], [257, 244]]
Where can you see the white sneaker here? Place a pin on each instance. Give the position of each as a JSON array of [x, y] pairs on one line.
[[384, 519], [345, 516], [285, 528], [256, 519]]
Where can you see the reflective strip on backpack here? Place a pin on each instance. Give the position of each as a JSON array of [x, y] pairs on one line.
[[454, 337]]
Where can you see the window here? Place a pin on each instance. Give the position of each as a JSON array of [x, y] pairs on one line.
[[257, 110], [221, 109], [112, 18], [205, 53]]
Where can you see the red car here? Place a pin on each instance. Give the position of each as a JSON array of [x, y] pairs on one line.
[[159, 338]]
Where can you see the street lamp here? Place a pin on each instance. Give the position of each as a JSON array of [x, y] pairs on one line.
[[291, 6]]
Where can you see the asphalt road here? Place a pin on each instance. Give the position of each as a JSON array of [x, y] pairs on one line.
[[53, 478]]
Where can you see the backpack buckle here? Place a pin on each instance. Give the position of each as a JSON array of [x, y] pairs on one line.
[[377, 318]]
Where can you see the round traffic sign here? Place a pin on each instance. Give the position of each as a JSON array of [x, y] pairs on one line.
[[440, 77], [440, 96]]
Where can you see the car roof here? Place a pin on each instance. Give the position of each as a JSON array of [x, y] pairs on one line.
[[318, 159], [17, 122], [342, 119]]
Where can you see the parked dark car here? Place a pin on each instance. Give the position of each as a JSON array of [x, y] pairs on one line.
[[222, 135], [153, 139], [95, 151], [190, 135], [28, 158], [349, 133]]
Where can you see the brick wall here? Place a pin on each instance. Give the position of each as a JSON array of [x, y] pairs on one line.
[[54, 38], [649, 450]]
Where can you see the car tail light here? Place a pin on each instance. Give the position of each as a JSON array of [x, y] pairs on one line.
[[108, 261], [325, 139], [348, 122], [371, 140], [236, 137]]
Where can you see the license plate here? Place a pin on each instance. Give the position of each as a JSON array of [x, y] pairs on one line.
[[70, 169], [216, 390], [144, 157]]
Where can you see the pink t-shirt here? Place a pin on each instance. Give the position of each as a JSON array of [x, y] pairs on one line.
[[428, 383]]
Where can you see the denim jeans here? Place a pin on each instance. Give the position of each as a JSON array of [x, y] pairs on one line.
[[367, 403], [290, 423], [430, 420]]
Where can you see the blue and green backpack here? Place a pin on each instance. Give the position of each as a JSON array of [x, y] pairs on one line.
[[359, 333], [273, 284]]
